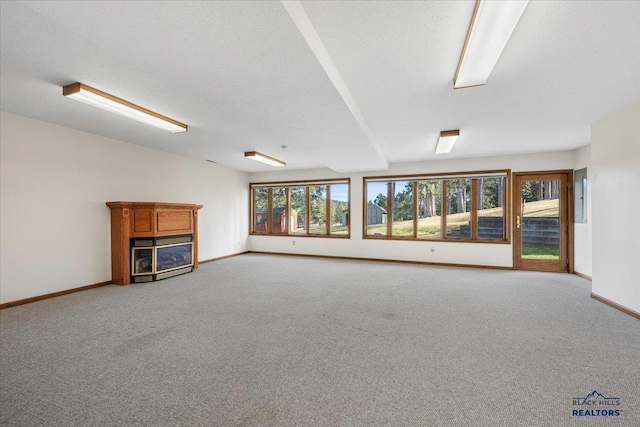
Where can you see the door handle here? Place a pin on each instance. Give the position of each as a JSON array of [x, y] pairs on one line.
[[518, 221]]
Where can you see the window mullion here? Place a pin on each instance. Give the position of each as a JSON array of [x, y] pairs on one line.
[[416, 197], [269, 210], [288, 210], [252, 210], [474, 209], [389, 209], [506, 207], [443, 210], [307, 215], [328, 211]]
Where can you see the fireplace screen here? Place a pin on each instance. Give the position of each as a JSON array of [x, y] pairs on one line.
[[174, 256], [142, 260], [162, 257]]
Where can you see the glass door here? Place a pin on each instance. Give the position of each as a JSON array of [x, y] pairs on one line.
[[541, 220]]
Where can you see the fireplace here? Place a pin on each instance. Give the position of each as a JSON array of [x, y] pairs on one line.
[[152, 240], [161, 257]]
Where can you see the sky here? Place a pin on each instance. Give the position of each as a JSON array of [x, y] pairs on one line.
[[339, 192], [375, 188]]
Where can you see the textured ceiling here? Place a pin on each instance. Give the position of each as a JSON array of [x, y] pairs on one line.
[[371, 85]]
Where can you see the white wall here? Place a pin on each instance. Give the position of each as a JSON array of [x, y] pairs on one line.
[[615, 182], [54, 184], [582, 232], [486, 254]]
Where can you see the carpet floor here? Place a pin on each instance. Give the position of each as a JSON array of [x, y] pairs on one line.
[[262, 340]]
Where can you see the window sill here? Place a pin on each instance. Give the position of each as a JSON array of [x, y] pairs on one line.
[[419, 239], [326, 236]]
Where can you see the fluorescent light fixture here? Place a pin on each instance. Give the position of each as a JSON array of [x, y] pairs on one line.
[[491, 26], [264, 159], [108, 102], [446, 141]]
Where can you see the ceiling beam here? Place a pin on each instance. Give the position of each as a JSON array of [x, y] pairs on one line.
[[299, 16]]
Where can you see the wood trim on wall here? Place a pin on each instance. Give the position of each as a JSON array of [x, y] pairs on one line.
[[431, 176], [223, 257], [448, 239], [440, 264], [53, 295], [87, 287], [615, 305], [300, 183], [325, 236], [584, 276]]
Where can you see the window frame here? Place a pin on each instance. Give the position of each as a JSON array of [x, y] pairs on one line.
[[306, 184], [474, 176]]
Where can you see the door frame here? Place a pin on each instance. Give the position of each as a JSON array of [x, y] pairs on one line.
[[566, 226]]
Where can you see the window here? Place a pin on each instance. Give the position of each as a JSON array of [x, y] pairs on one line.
[[580, 194], [318, 209], [403, 211], [491, 212], [429, 209], [279, 218], [339, 208], [298, 210], [458, 205], [261, 210], [468, 207], [313, 208], [376, 209]]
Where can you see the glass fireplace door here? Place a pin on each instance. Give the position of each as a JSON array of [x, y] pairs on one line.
[[172, 257], [142, 261]]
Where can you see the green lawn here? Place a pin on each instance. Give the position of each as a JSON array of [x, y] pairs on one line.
[[547, 208], [430, 227], [540, 252], [427, 227], [321, 230]]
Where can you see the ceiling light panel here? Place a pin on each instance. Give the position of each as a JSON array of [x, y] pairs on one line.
[[491, 26], [97, 98], [446, 141], [263, 158]]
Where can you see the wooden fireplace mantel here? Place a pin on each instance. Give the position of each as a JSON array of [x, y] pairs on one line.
[[147, 219]]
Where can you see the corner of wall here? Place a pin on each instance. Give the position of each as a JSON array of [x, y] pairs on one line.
[[615, 179]]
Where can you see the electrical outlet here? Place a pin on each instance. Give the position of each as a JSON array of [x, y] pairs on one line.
[[433, 249], [294, 243]]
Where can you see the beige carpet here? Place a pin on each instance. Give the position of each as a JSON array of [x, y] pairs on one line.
[[260, 340]]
